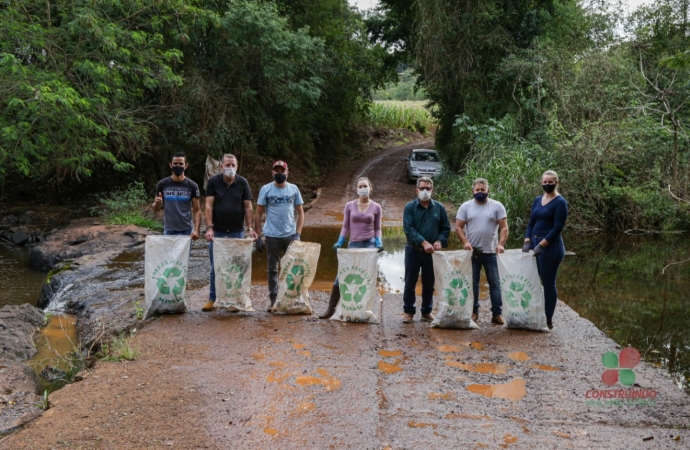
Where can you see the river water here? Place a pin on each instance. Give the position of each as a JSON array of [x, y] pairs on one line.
[[630, 287]]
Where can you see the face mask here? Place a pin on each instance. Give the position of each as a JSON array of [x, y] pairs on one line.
[[548, 188], [364, 192], [280, 178], [481, 196], [229, 172], [424, 196], [178, 170]]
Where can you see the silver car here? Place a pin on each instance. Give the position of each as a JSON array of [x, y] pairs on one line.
[[423, 163]]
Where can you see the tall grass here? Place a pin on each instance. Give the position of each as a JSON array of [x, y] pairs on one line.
[[399, 114], [129, 207]]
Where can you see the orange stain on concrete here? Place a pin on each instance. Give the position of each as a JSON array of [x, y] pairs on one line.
[[513, 390], [297, 346], [277, 364], [277, 377], [543, 367], [439, 396], [388, 368], [448, 348], [467, 416], [477, 345], [519, 356], [305, 407], [271, 431], [258, 356], [494, 368], [326, 380], [421, 425], [480, 445], [388, 353], [306, 353], [563, 435], [510, 439]]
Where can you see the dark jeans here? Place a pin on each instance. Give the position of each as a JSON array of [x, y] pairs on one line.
[[488, 261], [369, 243], [219, 235], [275, 246], [414, 260], [178, 233], [547, 264]]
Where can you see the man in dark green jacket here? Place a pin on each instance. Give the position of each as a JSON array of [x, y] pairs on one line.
[[427, 229]]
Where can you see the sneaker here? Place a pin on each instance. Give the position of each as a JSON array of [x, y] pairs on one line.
[[428, 317], [408, 318], [475, 317], [208, 306], [498, 320]]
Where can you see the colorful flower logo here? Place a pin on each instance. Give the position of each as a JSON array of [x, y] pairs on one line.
[[620, 368]]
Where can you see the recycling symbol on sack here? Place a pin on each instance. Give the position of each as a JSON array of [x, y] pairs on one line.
[[353, 289], [516, 295], [172, 277], [233, 276], [295, 278], [456, 293]]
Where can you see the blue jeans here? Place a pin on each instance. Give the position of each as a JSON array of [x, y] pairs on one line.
[[178, 233], [488, 261], [414, 260], [369, 243], [547, 264], [221, 235]]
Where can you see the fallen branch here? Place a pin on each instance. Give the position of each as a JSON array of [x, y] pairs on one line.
[[673, 264], [677, 198]]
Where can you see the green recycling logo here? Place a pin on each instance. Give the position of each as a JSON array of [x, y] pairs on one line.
[[171, 281], [232, 276], [295, 278], [456, 292], [353, 288], [516, 291]]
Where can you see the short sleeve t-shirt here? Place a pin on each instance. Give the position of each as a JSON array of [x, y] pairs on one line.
[[228, 202], [177, 203], [481, 223], [280, 209]]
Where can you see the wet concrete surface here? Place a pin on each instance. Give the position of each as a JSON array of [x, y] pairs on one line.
[[256, 380]]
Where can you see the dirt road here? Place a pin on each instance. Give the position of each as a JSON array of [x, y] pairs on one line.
[[255, 380]]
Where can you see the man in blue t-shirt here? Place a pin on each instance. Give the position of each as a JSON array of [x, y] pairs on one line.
[[280, 200], [178, 196]]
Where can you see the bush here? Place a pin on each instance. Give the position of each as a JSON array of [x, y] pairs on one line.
[[129, 207]]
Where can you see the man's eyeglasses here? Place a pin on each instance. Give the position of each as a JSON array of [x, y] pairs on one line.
[[424, 188]]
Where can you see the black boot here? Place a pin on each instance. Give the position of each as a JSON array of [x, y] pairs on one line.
[[332, 303]]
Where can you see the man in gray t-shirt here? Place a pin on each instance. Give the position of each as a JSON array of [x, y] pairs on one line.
[[476, 224]]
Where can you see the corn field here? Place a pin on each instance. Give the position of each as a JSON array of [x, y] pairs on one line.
[[400, 114]]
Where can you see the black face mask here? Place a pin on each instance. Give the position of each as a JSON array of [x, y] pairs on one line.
[[178, 170], [548, 188], [280, 178]]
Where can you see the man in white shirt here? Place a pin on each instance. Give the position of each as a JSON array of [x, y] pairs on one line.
[[476, 224]]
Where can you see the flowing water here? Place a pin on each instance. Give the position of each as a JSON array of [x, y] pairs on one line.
[[634, 288]]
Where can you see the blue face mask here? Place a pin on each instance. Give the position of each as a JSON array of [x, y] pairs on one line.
[[481, 197]]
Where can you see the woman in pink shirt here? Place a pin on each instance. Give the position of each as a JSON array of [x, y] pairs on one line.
[[362, 220]]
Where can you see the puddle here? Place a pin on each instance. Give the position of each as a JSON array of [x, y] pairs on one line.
[[467, 416], [325, 380], [449, 348], [421, 425], [388, 368], [493, 368], [126, 260], [513, 390], [53, 343], [18, 283], [438, 396], [519, 356], [388, 353], [543, 367]]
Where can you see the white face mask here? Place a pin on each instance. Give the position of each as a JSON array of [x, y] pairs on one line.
[[424, 196], [229, 172], [363, 192]]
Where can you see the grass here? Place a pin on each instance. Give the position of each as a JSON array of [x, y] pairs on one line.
[[400, 114], [120, 348], [129, 206]]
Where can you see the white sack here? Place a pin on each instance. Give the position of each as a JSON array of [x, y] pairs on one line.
[[165, 273], [357, 275], [232, 259], [523, 296], [453, 285], [297, 272]]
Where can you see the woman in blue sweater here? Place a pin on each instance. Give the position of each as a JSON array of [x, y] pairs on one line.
[[543, 235]]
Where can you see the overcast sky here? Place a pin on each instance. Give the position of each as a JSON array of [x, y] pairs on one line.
[[366, 4]]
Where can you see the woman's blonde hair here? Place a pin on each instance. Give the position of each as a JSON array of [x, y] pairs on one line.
[[550, 173], [371, 186]]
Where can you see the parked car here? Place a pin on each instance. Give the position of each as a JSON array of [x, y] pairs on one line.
[[423, 163]]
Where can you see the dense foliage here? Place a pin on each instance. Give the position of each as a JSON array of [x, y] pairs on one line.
[[87, 85], [525, 86]]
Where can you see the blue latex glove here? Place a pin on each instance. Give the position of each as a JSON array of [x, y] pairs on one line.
[[538, 250], [378, 244], [295, 237], [340, 243]]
